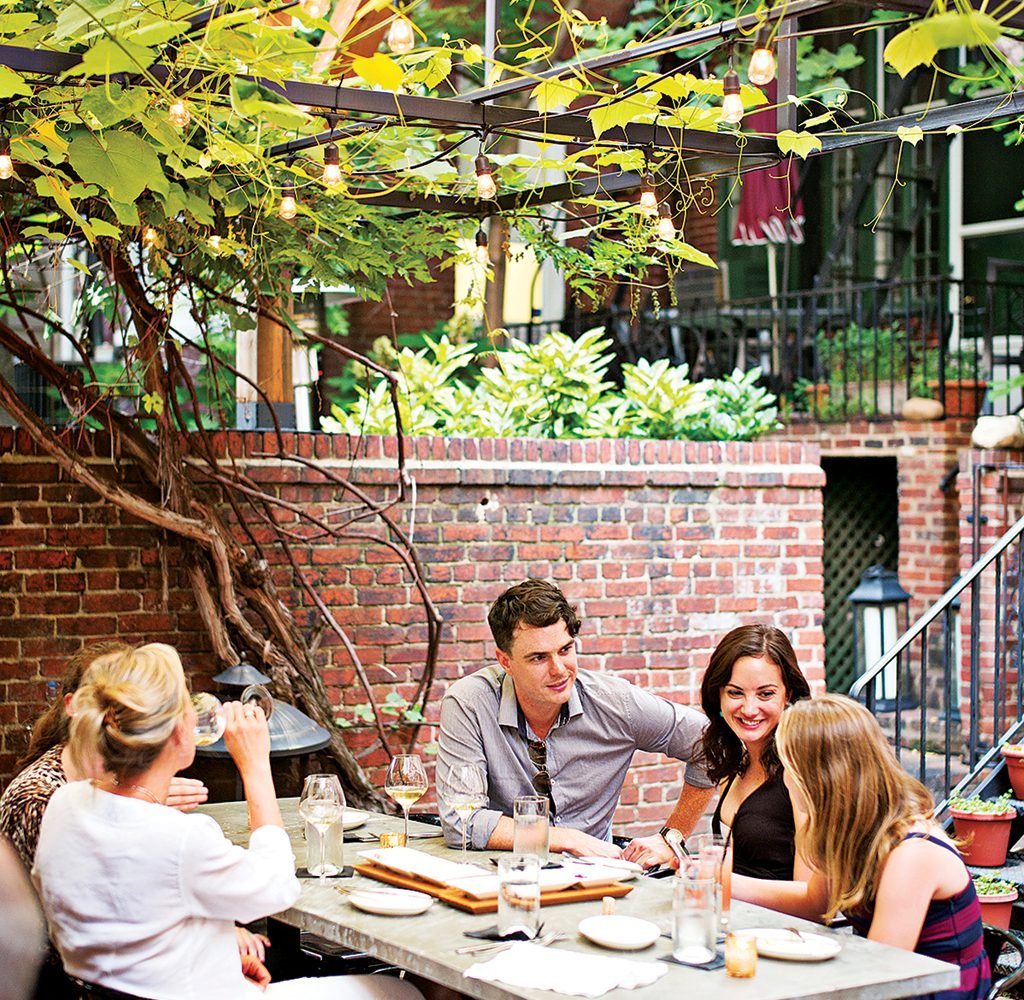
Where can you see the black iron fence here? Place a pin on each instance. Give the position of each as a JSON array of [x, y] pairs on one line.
[[856, 351]]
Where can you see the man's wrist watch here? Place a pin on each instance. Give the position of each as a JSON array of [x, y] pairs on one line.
[[673, 838]]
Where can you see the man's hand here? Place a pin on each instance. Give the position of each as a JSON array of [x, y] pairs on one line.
[[581, 844], [649, 851], [186, 793]]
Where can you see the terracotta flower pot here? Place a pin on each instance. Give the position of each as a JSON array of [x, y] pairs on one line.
[[986, 836], [1013, 754], [996, 910], [963, 396]]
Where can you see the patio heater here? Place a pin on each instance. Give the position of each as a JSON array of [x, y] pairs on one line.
[[880, 616], [292, 733]]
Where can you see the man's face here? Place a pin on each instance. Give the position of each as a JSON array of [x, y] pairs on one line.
[[542, 664]]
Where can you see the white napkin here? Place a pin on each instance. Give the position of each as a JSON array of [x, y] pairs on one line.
[[530, 966]]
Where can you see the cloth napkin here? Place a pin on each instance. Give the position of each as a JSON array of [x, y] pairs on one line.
[[529, 966], [492, 934]]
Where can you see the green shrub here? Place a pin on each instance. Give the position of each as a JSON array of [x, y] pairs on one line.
[[556, 388]]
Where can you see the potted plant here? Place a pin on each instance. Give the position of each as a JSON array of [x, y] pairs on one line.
[[1013, 755], [984, 827], [961, 376], [996, 897]]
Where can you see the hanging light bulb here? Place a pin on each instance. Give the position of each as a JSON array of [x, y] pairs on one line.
[[761, 71], [732, 103], [214, 243], [401, 37], [178, 113], [6, 163], [149, 236], [332, 165], [287, 209], [648, 196], [486, 189], [482, 253], [666, 224], [315, 8]]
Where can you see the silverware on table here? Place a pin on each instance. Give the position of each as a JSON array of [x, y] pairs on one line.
[[495, 946]]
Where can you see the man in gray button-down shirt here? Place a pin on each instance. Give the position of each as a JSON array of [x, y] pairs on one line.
[[537, 724]]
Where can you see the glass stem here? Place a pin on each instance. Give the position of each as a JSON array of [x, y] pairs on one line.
[[405, 810]]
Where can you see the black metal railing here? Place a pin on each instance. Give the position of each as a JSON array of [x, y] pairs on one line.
[[938, 660], [853, 351]]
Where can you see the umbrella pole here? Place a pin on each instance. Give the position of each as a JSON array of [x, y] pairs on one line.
[[773, 294]]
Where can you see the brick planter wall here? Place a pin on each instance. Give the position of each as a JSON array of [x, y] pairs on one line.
[[664, 545]]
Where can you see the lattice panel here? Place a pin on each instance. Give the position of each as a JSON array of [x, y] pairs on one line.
[[861, 529]]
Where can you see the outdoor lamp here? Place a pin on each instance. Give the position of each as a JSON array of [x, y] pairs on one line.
[[332, 165], [880, 616], [287, 209], [401, 38], [149, 236], [483, 254], [178, 113], [486, 189], [6, 163], [761, 71], [648, 196], [732, 103], [314, 8], [666, 225]]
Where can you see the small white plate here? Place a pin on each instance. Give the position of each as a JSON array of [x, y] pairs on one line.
[[353, 818], [793, 946], [391, 902], [627, 866], [620, 933]]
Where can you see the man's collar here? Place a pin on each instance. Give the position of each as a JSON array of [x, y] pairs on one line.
[[510, 715]]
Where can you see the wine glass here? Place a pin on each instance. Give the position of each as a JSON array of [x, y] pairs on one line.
[[406, 782], [210, 719], [464, 790], [257, 694], [321, 804]]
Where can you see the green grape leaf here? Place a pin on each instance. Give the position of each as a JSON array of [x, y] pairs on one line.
[[801, 143], [13, 84], [111, 104], [379, 70], [552, 94], [616, 114], [913, 135], [920, 43], [109, 56], [120, 163]]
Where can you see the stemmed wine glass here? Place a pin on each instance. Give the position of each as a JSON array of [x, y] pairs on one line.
[[321, 804], [464, 790], [406, 782], [210, 721]]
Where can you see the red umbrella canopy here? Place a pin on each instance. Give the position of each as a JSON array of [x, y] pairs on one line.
[[769, 211]]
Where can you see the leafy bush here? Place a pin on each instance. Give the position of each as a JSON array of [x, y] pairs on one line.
[[556, 388]]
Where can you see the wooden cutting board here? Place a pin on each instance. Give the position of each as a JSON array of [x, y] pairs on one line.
[[574, 894]]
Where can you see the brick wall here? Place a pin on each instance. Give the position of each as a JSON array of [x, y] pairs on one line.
[[664, 545]]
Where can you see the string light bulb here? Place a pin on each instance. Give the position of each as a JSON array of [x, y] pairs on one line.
[[315, 8], [401, 37], [149, 236], [178, 114], [287, 209], [214, 243], [732, 103], [666, 224], [486, 188], [482, 252], [761, 71], [648, 196], [332, 165], [6, 163]]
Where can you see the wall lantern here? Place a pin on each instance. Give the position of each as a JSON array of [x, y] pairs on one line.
[[880, 617]]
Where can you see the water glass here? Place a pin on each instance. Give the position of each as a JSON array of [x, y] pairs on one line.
[[530, 826], [711, 863], [693, 919], [334, 848], [322, 806], [518, 894]]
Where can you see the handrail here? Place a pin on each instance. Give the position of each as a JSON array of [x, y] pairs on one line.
[[1009, 536]]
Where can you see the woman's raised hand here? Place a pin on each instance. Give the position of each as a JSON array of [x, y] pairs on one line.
[[246, 734]]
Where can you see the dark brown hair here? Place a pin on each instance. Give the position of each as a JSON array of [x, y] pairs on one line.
[[723, 752], [53, 726], [535, 603]]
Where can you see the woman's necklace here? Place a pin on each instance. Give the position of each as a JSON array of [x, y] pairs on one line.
[[130, 788]]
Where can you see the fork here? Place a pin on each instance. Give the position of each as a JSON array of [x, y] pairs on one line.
[[488, 946]]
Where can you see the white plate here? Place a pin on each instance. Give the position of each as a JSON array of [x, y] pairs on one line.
[[353, 818], [391, 902], [793, 946], [627, 866], [619, 932]]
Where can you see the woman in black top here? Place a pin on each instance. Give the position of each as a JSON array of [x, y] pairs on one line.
[[751, 678]]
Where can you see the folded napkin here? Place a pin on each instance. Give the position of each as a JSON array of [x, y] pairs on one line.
[[492, 934], [529, 966], [345, 872]]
